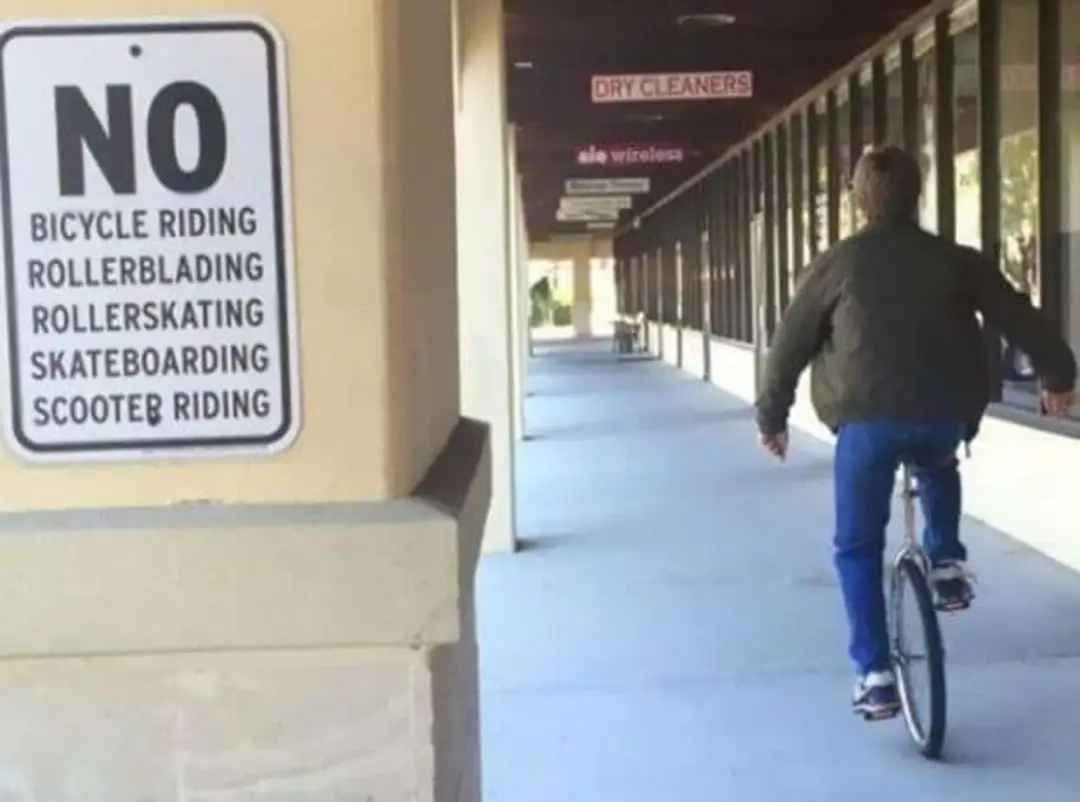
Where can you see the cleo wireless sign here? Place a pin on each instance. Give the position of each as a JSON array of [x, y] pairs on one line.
[[148, 255]]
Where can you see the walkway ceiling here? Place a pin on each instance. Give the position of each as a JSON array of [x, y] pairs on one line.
[[556, 46]]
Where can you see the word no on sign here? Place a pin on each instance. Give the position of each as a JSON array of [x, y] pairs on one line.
[[147, 240]]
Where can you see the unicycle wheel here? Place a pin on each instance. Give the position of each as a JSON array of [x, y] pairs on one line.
[[918, 657]]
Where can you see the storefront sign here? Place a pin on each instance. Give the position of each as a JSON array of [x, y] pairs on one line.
[[608, 186], [680, 86], [616, 203], [631, 155], [147, 240]]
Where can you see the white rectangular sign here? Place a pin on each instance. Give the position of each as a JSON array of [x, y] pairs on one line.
[[616, 203], [148, 287], [676, 86], [582, 216], [608, 186]]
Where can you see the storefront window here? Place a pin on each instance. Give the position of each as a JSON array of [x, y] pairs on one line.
[[966, 122], [1070, 168], [866, 82], [1019, 254], [843, 129], [807, 192], [926, 71], [821, 186], [796, 160], [895, 94]]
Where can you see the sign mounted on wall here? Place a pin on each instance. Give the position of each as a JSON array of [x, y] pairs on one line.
[[587, 216], [629, 155], [678, 86], [616, 203], [147, 240], [608, 186]]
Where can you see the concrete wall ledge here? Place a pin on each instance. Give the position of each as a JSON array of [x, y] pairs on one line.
[[221, 578]]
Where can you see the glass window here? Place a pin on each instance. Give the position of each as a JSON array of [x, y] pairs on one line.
[[795, 196], [926, 72], [821, 179], [866, 83], [894, 132], [966, 122], [844, 166], [1070, 168], [1019, 252], [807, 192]]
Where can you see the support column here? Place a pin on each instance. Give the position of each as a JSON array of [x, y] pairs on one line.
[[583, 300], [485, 291], [519, 286], [296, 625]]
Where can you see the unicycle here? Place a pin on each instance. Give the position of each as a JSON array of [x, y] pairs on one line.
[[915, 638]]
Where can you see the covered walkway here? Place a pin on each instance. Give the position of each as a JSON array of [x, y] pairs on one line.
[[673, 631]]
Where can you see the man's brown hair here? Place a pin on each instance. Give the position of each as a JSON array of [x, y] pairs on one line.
[[887, 184]]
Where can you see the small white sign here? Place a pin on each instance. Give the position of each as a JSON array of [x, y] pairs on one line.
[[677, 86], [608, 186], [616, 203], [148, 287], [587, 216]]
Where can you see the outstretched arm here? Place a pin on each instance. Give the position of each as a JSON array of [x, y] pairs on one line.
[[1008, 311], [799, 338]]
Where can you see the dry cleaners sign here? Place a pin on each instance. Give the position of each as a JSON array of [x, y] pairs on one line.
[[147, 240], [678, 86]]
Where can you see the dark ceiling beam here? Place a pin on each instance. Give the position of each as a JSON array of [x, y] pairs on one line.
[[729, 42]]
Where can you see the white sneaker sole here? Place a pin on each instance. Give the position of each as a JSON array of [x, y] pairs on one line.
[[877, 712]]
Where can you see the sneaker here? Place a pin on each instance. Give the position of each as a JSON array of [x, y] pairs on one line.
[[952, 587], [876, 697]]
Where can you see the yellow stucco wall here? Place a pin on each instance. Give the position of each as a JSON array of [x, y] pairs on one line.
[[374, 263]]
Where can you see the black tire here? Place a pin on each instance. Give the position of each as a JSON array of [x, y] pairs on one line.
[[918, 657]]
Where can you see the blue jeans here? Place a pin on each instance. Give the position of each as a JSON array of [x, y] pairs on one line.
[[867, 456]]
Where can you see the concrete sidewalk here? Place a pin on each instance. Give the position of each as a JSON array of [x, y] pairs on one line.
[[673, 631]]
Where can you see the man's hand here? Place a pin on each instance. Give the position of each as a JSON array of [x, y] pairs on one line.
[[776, 444], [1058, 404]]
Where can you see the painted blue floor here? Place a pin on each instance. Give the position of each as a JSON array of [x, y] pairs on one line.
[[673, 632]]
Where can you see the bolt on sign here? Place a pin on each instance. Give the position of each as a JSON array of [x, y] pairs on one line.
[[608, 186], [629, 155], [677, 86], [147, 240]]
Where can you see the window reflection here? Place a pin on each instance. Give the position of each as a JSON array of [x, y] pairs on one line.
[[843, 128], [926, 71], [807, 194], [1070, 168], [821, 187], [894, 134], [1019, 243], [866, 83], [966, 121]]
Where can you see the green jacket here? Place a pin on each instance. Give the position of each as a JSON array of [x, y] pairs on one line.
[[888, 318]]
